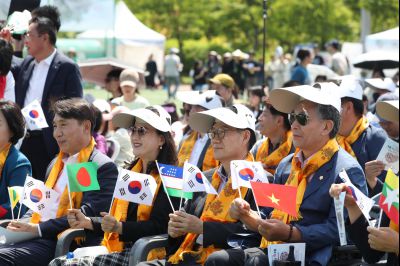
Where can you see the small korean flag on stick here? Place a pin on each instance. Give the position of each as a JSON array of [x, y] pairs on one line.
[[195, 181], [34, 116]]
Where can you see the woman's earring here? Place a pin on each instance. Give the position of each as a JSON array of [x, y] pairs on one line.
[[160, 147]]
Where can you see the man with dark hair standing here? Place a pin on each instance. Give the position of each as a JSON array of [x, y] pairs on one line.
[[315, 165], [356, 135], [45, 75], [6, 81], [340, 64], [50, 12], [73, 127]]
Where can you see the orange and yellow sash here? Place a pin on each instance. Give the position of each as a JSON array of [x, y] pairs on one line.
[[359, 128], [3, 157], [298, 178], [120, 210], [272, 160], [76, 197], [216, 209], [186, 151]]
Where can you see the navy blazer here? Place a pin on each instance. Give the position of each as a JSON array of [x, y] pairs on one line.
[[93, 202], [318, 225], [14, 173], [63, 81], [368, 145]]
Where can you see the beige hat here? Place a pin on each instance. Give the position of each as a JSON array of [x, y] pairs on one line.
[[388, 110], [223, 79], [129, 77], [285, 100]]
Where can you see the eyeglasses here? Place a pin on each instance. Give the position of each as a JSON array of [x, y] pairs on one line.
[[30, 35], [141, 131], [302, 118], [218, 133]]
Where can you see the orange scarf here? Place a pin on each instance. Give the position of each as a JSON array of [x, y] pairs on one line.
[[272, 160], [216, 209], [298, 178], [120, 210], [359, 128], [3, 157], [76, 197], [186, 151]]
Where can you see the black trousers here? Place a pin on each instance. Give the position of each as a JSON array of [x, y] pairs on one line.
[[238, 257], [38, 252], [35, 150]]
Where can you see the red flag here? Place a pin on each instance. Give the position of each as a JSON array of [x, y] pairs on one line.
[[279, 197], [3, 212]]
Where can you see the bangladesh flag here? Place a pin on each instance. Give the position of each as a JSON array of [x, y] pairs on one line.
[[389, 200], [82, 177]]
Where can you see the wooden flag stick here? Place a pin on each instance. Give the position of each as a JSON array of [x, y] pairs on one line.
[[255, 200], [69, 195], [11, 204], [165, 189], [378, 225], [21, 200], [112, 201]]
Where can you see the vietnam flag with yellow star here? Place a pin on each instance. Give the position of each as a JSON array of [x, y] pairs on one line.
[[276, 196], [389, 200]]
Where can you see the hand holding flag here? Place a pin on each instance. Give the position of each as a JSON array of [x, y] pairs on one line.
[[172, 177], [15, 194]]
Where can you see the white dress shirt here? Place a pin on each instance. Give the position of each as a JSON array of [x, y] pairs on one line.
[[9, 93], [38, 79], [198, 149]]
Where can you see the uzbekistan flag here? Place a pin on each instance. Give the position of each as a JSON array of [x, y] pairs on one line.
[[172, 177]]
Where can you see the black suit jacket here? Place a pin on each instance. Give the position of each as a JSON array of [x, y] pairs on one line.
[[63, 81], [93, 202]]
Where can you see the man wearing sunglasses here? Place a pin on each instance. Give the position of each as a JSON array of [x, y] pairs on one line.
[[196, 146], [313, 167], [205, 224], [356, 135]]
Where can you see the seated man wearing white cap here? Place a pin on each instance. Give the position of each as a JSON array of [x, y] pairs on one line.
[[196, 146], [387, 110], [205, 224], [313, 167], [380, 86], [356, 135]]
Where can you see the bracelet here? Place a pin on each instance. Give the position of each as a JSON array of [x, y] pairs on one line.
[[290, 233]]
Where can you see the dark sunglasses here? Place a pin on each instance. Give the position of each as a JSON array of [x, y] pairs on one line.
[[141, 131], [302, 118]]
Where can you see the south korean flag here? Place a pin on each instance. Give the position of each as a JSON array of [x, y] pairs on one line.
[[195, 181], [34, 116], [135, 187], [39, 198]]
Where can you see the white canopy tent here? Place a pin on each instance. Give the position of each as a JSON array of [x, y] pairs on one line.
[[386, 40], [132, 40]]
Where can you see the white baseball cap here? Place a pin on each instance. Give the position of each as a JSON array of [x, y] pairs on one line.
[[208, 99], [388, 110], [285, 100], [382, 84], [159, 118], [350, 87], [237, 116]]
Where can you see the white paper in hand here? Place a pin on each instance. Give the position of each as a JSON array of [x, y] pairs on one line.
[[389, 155], [339, 205]]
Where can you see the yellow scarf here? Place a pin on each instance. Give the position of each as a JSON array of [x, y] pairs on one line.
[[216, 209], [272, 160], [76, 197], [120, 210], [3, 157], [298, 178], [359, 128], [186, 151]]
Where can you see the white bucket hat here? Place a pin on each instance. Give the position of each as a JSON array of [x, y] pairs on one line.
[[382, 84], [102, 105], [388, 110], [160, 121], [285, 100], [241, 117], [350, 87], [208, 99]]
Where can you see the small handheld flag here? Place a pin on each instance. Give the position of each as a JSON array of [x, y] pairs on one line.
[[244, 171], [276, 196], [195, 181], [34, 116], [39, 198], [135, 187], [15, 194], [389, 200], [172, 178], [83, 177]]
